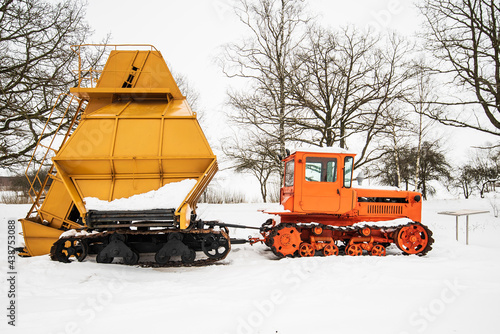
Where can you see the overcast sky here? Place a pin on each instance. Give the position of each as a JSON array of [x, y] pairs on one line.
[[190, 33]]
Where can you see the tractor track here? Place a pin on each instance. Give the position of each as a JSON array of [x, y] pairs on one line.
[[392, 232]]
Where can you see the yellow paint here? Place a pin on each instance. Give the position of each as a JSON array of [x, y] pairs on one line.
[[136, 134], [38, 238]]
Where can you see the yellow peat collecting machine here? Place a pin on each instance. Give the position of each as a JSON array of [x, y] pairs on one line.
[[131, 131]]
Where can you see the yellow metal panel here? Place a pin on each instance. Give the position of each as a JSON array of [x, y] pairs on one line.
[[57, 203], [186, 166], [96, 103], [167, 180], [86, 167], [183, 138], [116, 69], [178, 108], [71, 189], [185, 209], [127, 188], [94, 188], [158, 75], [110, 110], [38, 238], [137, 138], [136, 166], [152, 71], [145, 109], [92, 139]]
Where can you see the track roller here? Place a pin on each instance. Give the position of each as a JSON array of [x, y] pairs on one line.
[[378, 250], [175, 247], [306, 250], [330, 249], [117, 247], [354, 250]]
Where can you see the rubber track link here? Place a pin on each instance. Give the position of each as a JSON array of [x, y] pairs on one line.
[[60, 252]]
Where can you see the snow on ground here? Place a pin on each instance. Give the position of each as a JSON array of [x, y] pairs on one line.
[[454, 289]]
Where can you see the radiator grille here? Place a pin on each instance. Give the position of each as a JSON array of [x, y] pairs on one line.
[[381, 209]]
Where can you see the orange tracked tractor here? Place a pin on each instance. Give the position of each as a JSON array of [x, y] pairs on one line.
[[323, 212], [132, 132]]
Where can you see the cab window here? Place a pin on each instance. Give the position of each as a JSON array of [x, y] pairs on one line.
[[348, 162], [321, 169], [289, 169]]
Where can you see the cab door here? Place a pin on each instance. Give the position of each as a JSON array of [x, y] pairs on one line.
[[321, 184]]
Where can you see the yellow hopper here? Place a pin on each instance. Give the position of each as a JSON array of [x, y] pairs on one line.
[[135, 133]]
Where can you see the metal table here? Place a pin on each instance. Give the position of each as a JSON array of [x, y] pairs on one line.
[[466, 213]]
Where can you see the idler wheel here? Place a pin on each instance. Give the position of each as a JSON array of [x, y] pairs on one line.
[[215, 246], [64, 250], [412, 239]]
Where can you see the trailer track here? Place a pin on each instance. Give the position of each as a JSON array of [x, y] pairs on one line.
[[208, 241]]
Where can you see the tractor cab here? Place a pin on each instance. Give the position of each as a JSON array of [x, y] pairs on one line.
[[318, 181]]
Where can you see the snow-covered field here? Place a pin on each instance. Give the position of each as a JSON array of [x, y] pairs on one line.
[[454, 289]]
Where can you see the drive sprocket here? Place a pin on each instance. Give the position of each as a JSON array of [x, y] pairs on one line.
[[284, 240]]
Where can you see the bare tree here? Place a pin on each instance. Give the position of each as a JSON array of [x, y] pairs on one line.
[[256, 156], [484, 168], [422, 102], [395, 171], [345, 82], [35, 40], [432, 166], [188, 90], [398, 133], [263, 62], [464, 37], [407, 123], [464, 179], [191, 93]]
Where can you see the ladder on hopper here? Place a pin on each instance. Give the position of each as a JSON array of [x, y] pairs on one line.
[[43, 153]]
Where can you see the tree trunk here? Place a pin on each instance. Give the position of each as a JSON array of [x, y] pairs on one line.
[[419, 149]]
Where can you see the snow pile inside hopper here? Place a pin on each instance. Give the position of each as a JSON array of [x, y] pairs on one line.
[[170, 196]]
